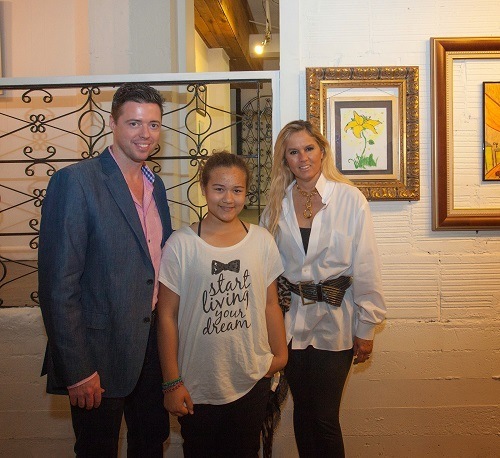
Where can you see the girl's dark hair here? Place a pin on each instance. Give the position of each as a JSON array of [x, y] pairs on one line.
[[223, 159], [135, 92]]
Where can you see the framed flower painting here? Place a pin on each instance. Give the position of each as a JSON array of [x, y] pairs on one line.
[[370, 117]]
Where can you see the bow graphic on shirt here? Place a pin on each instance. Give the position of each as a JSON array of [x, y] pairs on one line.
[[218, 267]]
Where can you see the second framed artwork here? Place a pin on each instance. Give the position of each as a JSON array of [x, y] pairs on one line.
[[465, 133], [370, 117]]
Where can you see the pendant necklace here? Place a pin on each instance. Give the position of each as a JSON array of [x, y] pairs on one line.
[[308, 195]]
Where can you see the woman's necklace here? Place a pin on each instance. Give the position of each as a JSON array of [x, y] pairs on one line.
[[308, 195]]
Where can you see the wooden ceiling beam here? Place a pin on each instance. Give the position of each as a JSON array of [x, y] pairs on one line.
[[226, 24]]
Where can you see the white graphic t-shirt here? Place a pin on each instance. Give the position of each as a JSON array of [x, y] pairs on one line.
[[223, 342]]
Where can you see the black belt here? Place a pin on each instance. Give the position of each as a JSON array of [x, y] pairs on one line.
[[329, 291]]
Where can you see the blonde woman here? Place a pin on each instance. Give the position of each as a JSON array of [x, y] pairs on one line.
[[324, 232]]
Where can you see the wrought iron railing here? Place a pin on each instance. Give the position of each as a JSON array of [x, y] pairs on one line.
[[48, 124]]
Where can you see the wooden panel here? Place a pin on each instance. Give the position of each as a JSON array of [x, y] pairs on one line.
[[205, 31], [226, 24]]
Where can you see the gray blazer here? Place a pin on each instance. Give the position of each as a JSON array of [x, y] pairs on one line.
[[95, 277]]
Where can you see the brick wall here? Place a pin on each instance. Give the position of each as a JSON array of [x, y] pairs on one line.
[[432, 387]]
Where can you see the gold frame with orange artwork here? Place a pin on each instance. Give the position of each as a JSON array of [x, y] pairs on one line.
[[461, 198]]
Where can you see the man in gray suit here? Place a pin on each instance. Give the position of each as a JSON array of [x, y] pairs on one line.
[[104, 222]]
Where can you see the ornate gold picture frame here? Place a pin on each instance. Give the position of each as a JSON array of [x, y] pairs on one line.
[[370, 115], [461, 200]]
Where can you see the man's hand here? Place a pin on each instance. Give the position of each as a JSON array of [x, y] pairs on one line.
[[88, 394]]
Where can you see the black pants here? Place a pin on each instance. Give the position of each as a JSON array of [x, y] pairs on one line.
[[229, 430], [316, 379], [97, 430]]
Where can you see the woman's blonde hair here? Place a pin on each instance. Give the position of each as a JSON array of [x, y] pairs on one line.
[[281, 175]]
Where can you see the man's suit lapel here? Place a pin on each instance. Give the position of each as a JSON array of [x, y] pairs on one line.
[[118, 188]]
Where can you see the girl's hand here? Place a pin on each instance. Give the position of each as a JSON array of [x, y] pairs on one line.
[[277, 364], [275, 330], [178, 402]]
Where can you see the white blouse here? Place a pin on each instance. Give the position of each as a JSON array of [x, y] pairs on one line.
[[342, 242]]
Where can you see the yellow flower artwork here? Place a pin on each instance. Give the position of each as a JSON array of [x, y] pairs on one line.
[[359, 125]]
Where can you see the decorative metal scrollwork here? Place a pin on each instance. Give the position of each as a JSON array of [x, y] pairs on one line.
[[47, 130]]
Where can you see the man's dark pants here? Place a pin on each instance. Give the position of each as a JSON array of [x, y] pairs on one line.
[[97, 430]]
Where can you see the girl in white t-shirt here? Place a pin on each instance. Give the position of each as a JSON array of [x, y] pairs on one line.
[[220, 330]]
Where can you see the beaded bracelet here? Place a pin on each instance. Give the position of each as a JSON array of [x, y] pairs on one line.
[[173, 388], [171, 383]]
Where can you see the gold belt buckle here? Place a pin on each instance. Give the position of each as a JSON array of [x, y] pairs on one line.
[[302, 294]]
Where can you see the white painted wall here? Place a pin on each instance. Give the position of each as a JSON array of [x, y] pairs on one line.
[[432, 387], [219, 96]]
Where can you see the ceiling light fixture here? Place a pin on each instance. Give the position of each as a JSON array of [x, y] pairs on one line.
[[259, 48]]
